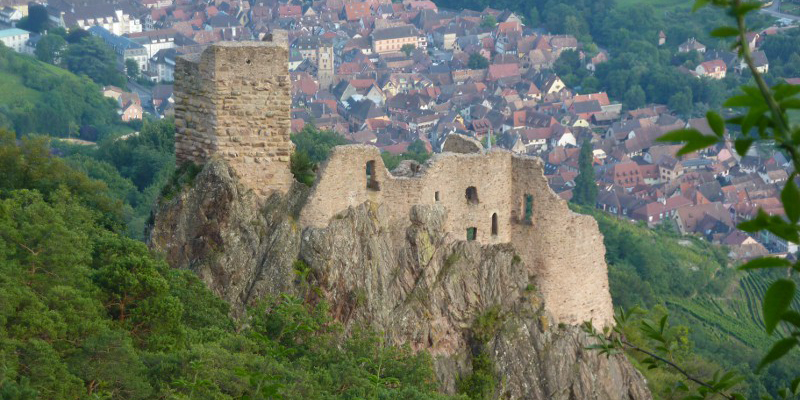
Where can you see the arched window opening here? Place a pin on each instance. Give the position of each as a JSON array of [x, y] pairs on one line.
[[528, 208], [472, 233], [472, 195], [494, 224], [372, 181]]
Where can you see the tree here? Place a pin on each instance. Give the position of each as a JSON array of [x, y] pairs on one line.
[[489, 21], [36, 21], [49, 48], [477, 61], [585, 192], [93, 58], [635, 97], [681, 102], [408, 49], [132, 68], [77, 34]]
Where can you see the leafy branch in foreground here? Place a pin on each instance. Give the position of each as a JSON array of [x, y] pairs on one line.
[[762, 118], [612, 340]]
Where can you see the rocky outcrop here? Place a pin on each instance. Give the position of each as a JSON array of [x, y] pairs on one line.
[[412, 281]]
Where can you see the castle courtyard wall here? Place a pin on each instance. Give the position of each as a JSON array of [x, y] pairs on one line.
[[562, 249]]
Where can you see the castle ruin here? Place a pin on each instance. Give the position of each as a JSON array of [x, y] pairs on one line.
[[233, 101]]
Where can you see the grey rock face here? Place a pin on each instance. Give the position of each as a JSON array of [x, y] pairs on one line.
[[414, 283]]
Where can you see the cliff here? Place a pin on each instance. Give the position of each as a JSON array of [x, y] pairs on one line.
[[411, 280]]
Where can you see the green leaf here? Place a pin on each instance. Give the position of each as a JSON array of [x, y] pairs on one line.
[[698, 4], [778, 350], [792, 317], [795, 385], [724, 31], [792, 103], [742, 146], [745, 8], [777, 299], [783, 91], [765, 262], [693, 138], [790, 197], [716, 123], [761, 221]]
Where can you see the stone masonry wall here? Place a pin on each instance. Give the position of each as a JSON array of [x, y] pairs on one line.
[[233, 101], [563, 250]]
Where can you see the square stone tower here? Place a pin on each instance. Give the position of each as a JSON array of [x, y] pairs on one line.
[[233, 101]]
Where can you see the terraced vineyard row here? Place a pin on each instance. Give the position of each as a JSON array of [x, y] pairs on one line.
[[728, 323]]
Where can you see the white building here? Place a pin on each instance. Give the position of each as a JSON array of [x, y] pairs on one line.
[[108, 16], [15, 38]]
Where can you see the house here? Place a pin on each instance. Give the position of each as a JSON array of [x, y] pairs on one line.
[[155, 40], [125, 48], [10, 15], [390, 40], [15, 39], [691, 45], [662, 38], [714, 69], [743, 246], [115, 18], [356, 11], [501, 71], [705, 219]]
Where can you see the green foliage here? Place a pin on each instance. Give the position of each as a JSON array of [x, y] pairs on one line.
[[416, 151], [49, 48], [137, 169], [482, 381], [302, 168], [585, 192], [131, 68], [488, 21], [90, 56], [408, 49], [88, 313], [477, 61], [316, 143], [39, 98]]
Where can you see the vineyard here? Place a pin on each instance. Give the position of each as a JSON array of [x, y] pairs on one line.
[[737, 317]]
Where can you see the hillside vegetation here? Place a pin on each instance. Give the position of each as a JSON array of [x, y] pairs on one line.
[[37, 97], [694, 282], [86, 312]]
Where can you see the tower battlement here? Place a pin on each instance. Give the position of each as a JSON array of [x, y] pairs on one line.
[[233, 101]]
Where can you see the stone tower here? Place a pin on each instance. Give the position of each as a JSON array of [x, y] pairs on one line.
[[325, 64], [233, 101]]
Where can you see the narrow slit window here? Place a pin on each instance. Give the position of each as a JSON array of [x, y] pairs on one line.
[[494, 224], [528, 208], [472, 233], [372, 181], [472, 195]]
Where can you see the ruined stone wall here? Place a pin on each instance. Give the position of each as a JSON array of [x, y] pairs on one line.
[[563, 250], [233, 101], [343, 183]]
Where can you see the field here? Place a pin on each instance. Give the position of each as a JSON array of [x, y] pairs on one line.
[[12, 89]]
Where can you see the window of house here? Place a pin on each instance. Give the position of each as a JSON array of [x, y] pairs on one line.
[[472, 195], [472, 233], [372, 181], [528, 208], [494, 224]]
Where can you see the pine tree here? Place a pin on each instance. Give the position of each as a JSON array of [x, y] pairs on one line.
[[585, 191]]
